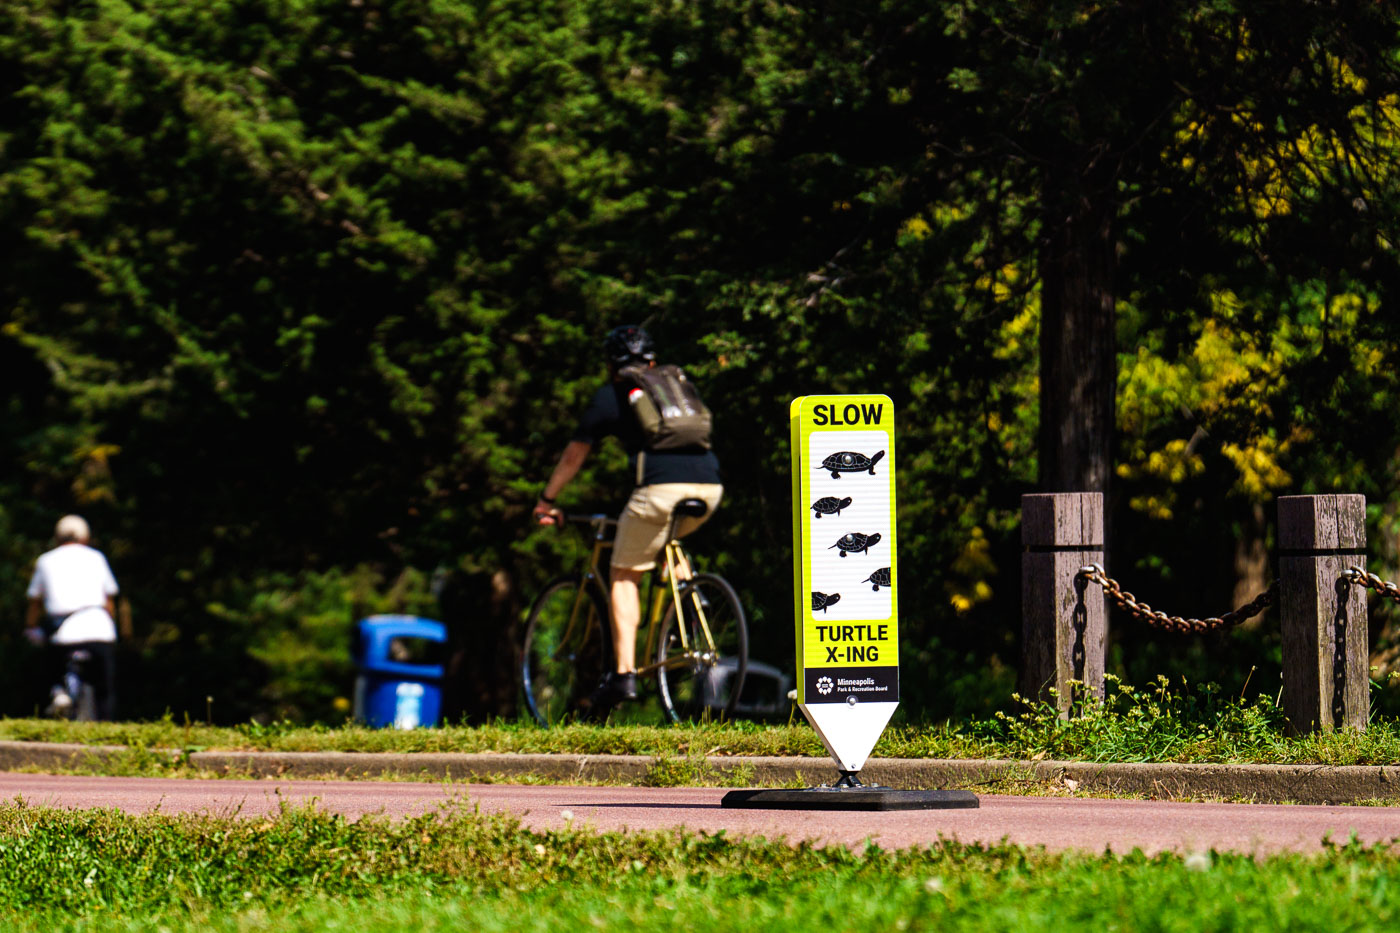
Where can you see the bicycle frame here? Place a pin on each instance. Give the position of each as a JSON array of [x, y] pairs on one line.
[[675, 558]]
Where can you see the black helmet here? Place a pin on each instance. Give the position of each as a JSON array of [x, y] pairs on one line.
[[628, 344]]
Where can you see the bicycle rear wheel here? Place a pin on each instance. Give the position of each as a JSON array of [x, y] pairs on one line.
[[703, 672], [566, 650]]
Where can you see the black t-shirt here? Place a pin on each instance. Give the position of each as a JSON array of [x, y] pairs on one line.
[[608, 413]]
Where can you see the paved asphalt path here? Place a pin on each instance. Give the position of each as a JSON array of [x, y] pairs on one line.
[[1056, 823]]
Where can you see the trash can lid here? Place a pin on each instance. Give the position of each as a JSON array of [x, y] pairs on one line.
[[375, 635], [416, 626]]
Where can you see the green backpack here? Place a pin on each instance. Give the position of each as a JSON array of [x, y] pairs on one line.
[[668, 407]]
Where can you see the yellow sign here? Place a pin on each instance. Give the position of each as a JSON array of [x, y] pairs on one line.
[[844, 568]]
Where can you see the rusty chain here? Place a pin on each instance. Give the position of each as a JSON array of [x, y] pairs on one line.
[[1094, 573], [1371, 581]]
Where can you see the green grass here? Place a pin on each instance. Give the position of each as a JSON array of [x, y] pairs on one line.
[[717, 739], [303, 870], [1131, 724], [661, 772]]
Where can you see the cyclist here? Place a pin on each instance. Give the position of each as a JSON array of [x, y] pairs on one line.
[[73, 586], [663, 478]]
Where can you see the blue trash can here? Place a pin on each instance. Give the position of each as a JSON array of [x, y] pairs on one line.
[[399, 659]]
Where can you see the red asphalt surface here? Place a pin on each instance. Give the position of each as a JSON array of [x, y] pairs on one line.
[[1055, 823]]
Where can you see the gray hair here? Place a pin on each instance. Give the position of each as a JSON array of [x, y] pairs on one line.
[[71, 528]]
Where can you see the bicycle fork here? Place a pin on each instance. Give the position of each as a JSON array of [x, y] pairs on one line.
[[581, 600]]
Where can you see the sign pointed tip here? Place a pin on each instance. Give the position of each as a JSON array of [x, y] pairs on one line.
[[849, 731]]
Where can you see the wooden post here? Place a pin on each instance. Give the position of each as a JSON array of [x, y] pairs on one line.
[[1064, 627], [1326, 681]]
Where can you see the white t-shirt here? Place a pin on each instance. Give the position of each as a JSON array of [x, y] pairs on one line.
[[74, 581]]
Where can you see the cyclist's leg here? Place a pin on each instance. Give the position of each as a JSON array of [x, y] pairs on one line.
[[56, 660], [74, 658], [626, 617], [641, 531], [103, 673], [60, 703]]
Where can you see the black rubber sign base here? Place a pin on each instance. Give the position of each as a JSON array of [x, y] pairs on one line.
[[860, 797]]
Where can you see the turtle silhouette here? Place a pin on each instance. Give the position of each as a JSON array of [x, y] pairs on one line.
[[878, 579], [855, 541], [822, 600], [830, 504], [848, 461]]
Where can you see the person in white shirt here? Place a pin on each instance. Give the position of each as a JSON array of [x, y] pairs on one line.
[[74, 589]]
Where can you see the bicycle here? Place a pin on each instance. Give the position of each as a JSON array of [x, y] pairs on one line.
[[695, 633]]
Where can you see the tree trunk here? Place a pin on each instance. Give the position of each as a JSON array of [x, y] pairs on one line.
[[1251, 562], [1078, 353]]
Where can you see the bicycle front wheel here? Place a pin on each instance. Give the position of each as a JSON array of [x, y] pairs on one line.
[[703, 655], [566, 650]]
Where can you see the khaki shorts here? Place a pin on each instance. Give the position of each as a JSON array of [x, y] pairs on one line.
[[641, 529]]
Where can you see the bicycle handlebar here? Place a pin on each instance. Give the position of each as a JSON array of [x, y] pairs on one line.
[[598, 518]]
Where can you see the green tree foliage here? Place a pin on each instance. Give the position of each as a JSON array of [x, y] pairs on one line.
[[301, 298], [308, 280]]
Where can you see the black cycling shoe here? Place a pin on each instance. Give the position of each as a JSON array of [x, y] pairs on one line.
[[615, 689]]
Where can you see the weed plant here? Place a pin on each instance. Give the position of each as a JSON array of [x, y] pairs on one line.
[[1185, 725], [1163, 722], [306, 870]]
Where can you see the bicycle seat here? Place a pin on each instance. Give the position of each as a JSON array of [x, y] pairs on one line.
[[691, 508]]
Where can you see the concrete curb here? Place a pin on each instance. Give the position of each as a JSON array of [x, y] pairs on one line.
[[1308, 784]]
